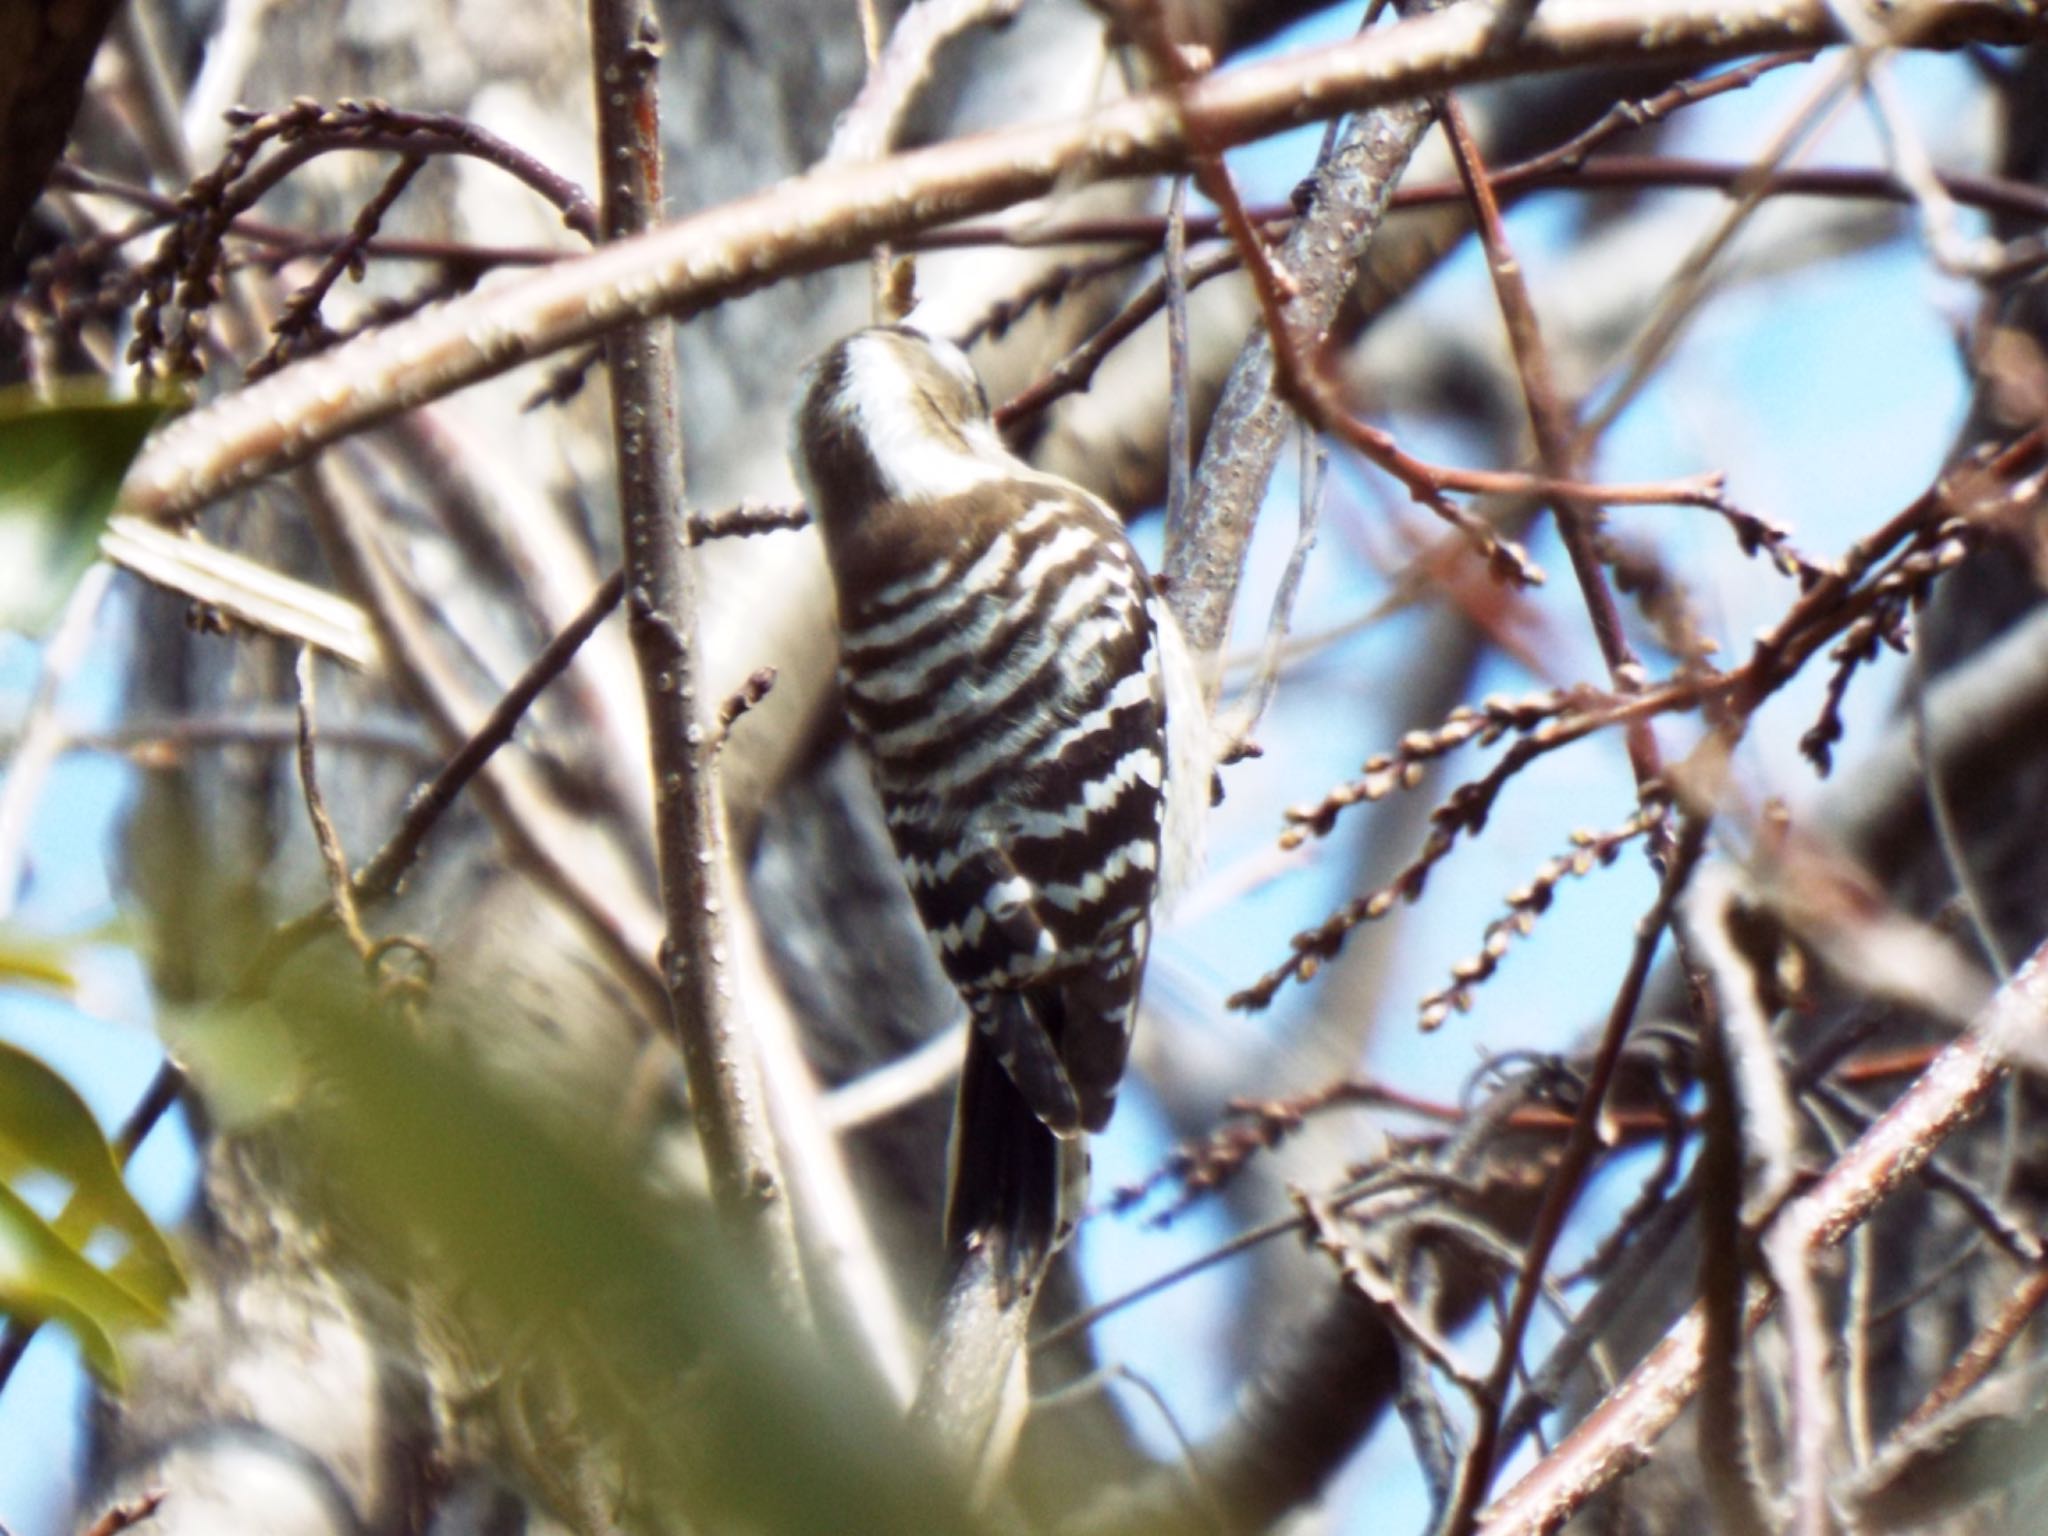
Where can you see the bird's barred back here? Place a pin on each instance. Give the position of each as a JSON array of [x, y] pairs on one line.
[[1008, 692]]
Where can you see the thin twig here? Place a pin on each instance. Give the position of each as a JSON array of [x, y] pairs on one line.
[[1948, 834], [1770, 1124], [1179, 407], [340, 889], [1957, 254], [759, 684], [299, 327], [380, 877], [128, 1514], [1206, 550], [1201, 1490], [1265, 681], [288, 242], [1617, 1434], [1909, 550], [1681, 296], [1736, 1493], [155, 741], [1628, 115], [1574, 1162], [592, 877], [1073, 373], [1980, 1207], [44, 732], [1859, 1400], [1560, 170], [1297, 296], [1403, 1178], [1557, 447], [896, 1084], [1529, 901], [1358, 1271], [1047, 292], [1984, 1350], [898, 69], [718, 1054], [748, 518]]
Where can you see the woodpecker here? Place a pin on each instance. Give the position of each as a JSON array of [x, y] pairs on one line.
[[1035, 730]]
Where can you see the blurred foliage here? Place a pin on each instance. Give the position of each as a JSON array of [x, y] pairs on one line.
[[99, 1265], [47, 1134], [569, 1267], [62, 460]]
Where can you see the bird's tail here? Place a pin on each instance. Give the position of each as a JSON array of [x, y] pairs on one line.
[[1014, 1187]]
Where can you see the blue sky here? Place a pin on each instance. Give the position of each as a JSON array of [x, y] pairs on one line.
[[102, 1044]]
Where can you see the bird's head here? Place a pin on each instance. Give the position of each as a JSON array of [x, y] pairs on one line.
[[890, 415]]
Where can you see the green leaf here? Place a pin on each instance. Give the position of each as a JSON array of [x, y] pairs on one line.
[[61, 463], [248, 1068], [46, 1129], [642, 1306], [43, 1278]]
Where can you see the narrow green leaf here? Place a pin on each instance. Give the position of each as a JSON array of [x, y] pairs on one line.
[[45, 1128], [26, 960], [44, 1279]]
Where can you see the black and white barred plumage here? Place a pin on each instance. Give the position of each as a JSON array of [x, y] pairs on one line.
[[1031, 723]]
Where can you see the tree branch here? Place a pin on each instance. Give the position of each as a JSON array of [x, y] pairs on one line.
[[1617, 1436], [719, 1057], [837, 215]]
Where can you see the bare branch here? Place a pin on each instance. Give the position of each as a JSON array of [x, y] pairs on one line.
[[1617, 1435], [1770, 1135], [815, 221], [719, 1055], [1582, 1144], [888, 1088], [1205, 550], [899, 68], [241, 589]]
